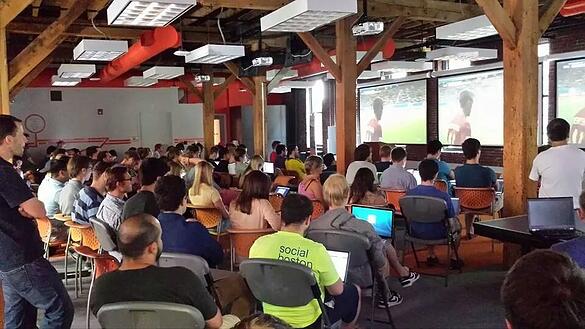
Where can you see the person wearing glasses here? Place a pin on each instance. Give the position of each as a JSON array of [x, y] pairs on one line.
[[119, 182]]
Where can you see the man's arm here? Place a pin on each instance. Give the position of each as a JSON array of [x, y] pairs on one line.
[[215, 322], [335, 289], [33, 208]]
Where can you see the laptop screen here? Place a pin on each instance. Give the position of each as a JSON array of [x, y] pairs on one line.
[[232, 168], [456, 207], [341, 262], [282, 190], [380, 218], [551, 214], [416, 175], [268, 167]]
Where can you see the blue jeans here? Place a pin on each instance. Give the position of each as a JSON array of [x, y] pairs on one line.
[[35, 285]]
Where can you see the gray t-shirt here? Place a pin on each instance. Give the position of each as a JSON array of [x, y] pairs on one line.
[[68, 195], [397, 178], [141, 202]]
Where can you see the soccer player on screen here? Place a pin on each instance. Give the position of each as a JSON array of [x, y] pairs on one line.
[[374, 130], [577, 133], [459, 127]]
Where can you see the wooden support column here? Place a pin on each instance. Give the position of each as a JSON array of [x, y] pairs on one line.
[[4, 88], [259, 111], [208, 109], [345, 94]]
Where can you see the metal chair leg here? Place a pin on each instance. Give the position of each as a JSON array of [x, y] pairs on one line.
[[89, 294], [448, 264], [67, 256], [415, 255]]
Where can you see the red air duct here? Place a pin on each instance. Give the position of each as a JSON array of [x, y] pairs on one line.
[[573, 7], [151, 44]]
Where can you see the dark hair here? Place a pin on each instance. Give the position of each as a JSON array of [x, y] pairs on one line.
[[57, 152], [91, 150], [76, 164], [221, 153], [169, 192], [385, 151], [102, 155], [362, 152], [240, 153], [99, 168], [256, 186], [262, 321], [295, 209], [242, 146], [328, 159], [558, 130], [157, 146], [113, 153], [280, 148], [143, 152], [115, 175], [362, 183], [180, 146], [582, 200], [434, 146], [7, 126], [151, 169], [275, 144], [132, 149], [471, 147], [55, 166], [193, 148], [378, 106], [290, 149], [427, 169], [132, 155], [544, 290], [50, 149], [214, 149], [398, 154], [142, 232]]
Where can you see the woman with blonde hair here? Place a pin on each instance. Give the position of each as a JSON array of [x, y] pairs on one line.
[[256, 163], [311, 186], [202, 194]]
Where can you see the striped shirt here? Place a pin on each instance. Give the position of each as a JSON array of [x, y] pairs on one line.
[[86, 206]]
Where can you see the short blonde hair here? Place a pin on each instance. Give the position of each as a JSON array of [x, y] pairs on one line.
[[336, 191], [313, 162]]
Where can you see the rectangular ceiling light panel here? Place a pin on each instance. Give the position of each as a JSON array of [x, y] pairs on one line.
[[307, 15], [139, 82], [79, 71], [64, 82], [147, 13], [468, 29], [215, 54], [462, 53], [270, 74], [163, 72], [401, 66], [99, 50]]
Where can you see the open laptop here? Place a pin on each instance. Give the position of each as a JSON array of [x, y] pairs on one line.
[[232, 169], [282, 190], [416, 175], [380, 218], [341, 262], [268, 167], [456, 206], [552, 218]]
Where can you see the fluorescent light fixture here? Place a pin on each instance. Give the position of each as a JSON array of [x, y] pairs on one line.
[[281, 90], [270, 74], [139, 82], [468, 29], [307, 15], [182, 53], [163, 72], [401, 66], [57, 81], [366, 75], [301, 84], [99, 50], [367, 28], [461, 53], [147, 13], [393, 76], [80, 71], [215, 54]]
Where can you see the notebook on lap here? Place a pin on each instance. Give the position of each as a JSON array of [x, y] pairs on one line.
[[341, 262], [380, 218], [552, 218]]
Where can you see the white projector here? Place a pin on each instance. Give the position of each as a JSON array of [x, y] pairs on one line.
[[368, 28]]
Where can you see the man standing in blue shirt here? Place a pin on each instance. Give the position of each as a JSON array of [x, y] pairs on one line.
[[575, 248], [428, 170], [434, 149], [28, 280]]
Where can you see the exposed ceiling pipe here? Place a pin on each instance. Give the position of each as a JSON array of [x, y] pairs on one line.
[[573, 7], [151, 43]]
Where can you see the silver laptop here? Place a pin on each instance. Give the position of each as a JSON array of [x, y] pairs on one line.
[[552, 217], [341, 262]]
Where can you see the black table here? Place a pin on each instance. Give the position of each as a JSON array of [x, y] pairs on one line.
[[515, 230]]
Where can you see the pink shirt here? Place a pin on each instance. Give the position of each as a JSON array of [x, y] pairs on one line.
[[303, 188], [261, 216]]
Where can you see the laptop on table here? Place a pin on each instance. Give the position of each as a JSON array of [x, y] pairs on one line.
[[340, 261], [552, 218], [268, 168], [381, 218]]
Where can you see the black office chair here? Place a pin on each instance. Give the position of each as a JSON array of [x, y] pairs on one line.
[[358, 246]]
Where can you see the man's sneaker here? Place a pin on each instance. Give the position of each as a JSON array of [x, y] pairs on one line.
[[393, 300], [407, 281]]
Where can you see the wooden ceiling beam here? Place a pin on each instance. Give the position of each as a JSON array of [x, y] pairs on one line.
[[235, 70], [380, 10], [36, 5], [549, 14], [321, 54], [9, 9], [44, 44], [191, 87], [224, 86], [245, 4], [458, 7], [372, 52], [95, 6], [501, 21], [31, 76]]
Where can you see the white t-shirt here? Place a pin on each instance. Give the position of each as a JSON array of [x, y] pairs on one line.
[[560, 170], [357, 165]]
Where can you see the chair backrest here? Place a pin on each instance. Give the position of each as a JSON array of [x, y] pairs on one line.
[[279, 282], [105, 263], [284, 180], [356, 244], [442, 185], [89, 239], [195, 264], [137, 315], [276, 201], [393, 197], [44, 227], [75, 230], [318, 209], [208, 217], [105, 234], [475, 198], [242, 240], [423, 209]]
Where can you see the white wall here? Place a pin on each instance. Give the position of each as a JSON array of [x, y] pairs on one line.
[[131, 117]]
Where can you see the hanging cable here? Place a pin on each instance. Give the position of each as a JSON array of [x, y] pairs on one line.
[[219, 25], [96, 28], [300, 56]]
